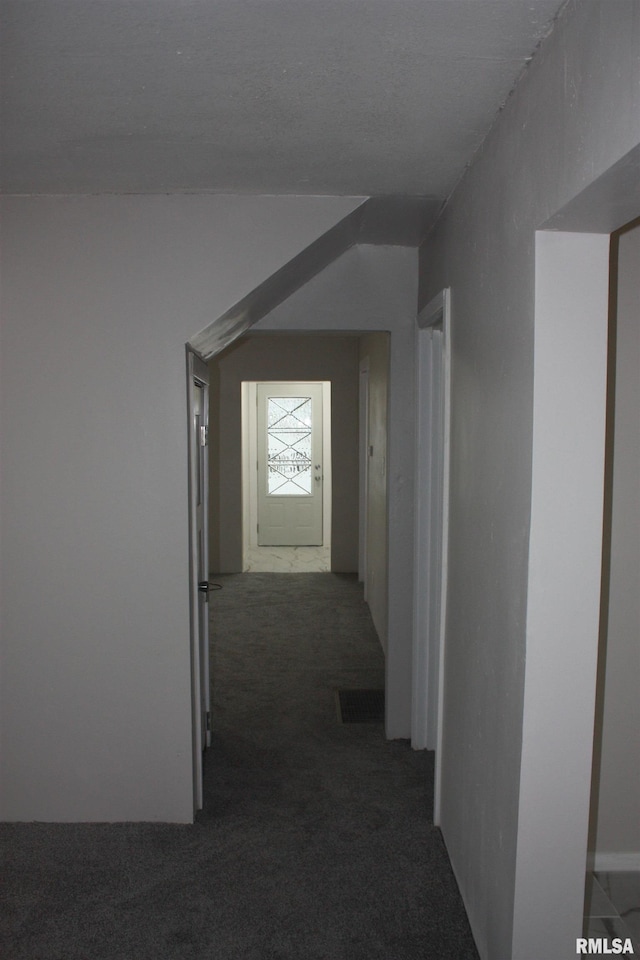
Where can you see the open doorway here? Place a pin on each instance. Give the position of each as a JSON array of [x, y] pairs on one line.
[[565, 568], [265, 359], [270, 355], [198, 408], [286, 476], [281, 364]]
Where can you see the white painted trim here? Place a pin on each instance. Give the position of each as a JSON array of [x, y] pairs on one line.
[[363, 477], [327, 484], [433, 313], [617, 862], [444, 577], [563, 601], [433, 541], [422, 584], [433, 388], [249, 457], [428, 537]]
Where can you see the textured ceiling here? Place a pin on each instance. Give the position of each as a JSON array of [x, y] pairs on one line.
[[342, 97]]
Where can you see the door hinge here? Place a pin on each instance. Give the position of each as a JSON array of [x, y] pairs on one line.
[[204, 436], [208, 720], [257, 528]]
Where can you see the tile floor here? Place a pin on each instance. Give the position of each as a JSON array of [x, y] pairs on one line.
[[612, 906], [287, 560]]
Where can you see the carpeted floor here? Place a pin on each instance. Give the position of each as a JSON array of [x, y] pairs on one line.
[[315, 842]]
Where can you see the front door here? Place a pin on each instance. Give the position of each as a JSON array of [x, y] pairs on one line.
[[289, 464]]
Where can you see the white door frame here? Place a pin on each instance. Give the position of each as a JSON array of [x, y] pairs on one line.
[[363, 481], [563, 596], [198, 373], [433, 413]]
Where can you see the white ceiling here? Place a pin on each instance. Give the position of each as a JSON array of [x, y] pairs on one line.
[[343, 97]]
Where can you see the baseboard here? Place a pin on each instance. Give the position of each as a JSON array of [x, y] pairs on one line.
[[614, 862]]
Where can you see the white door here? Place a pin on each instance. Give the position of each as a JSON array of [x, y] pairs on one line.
[[290, 477], [198, 393]]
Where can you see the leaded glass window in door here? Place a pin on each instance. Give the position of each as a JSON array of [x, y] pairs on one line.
[[289, 424]]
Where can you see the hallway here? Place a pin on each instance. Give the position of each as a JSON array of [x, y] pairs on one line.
[[336, 854], [315, 842]]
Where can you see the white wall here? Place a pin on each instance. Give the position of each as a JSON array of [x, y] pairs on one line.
[[375, 288], [99, 297], [563, 600], [574, 116], [283, 358], [618, 828], [375, 347]]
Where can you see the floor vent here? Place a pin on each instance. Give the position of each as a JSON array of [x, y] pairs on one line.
[[360, 706]]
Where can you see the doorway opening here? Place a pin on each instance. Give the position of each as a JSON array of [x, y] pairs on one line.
[[332, 362], [572, 285], [286, 476]]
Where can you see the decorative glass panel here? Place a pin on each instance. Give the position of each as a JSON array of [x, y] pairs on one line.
[[289, 446]]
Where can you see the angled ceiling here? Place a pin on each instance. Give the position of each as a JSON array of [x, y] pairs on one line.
[[327, 97]]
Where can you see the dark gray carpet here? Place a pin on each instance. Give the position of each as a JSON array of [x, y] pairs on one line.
[[316, 839]]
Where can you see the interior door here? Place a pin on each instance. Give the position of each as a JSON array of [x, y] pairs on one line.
[[290, 477], [198, 396]]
